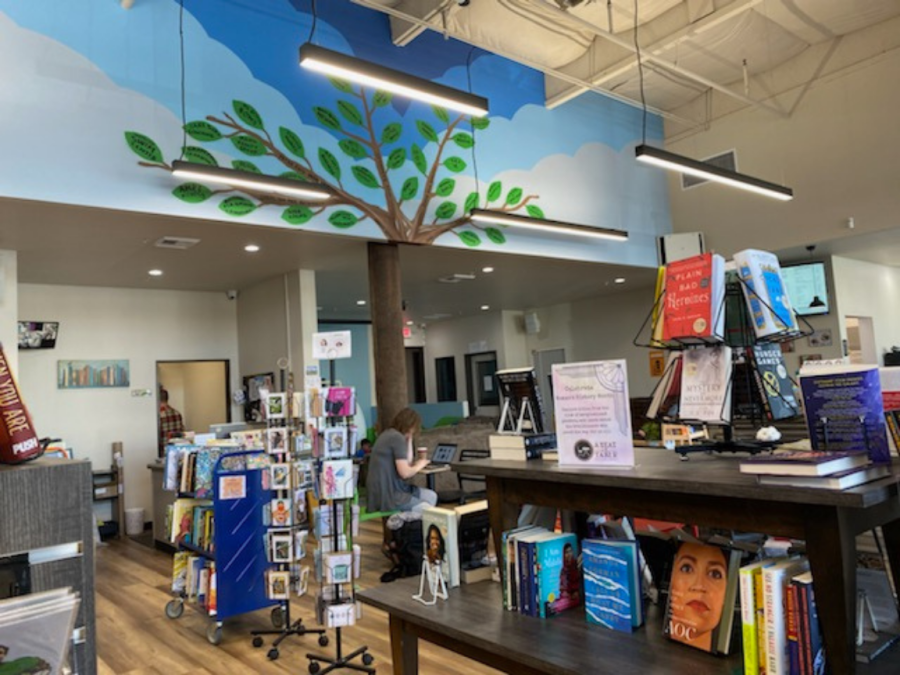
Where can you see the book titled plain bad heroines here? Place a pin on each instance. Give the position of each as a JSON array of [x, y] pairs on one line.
[[706, 385], [593, 418], [694, 297]]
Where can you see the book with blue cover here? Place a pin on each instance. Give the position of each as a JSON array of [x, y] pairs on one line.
[[612, 586], [557, 577]]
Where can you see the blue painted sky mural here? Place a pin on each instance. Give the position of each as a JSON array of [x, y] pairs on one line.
[[94, 73]]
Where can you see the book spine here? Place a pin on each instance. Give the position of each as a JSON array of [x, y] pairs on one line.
[[748, 623], [807, 656], [816, 653], [802, 629], [890, 417], [523, 572], [504, 569], [760, 622], [792, 633], [773, 594]]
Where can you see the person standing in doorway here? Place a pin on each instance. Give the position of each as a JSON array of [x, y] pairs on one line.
[[171, 424]]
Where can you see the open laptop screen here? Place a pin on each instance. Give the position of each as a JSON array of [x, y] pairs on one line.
[[444, 453]]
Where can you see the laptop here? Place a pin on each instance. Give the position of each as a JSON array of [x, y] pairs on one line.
[[444, 454]]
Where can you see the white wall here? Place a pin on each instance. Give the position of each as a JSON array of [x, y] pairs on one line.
[[197, 390], [9, 315], [262, 327], [868, 289], [107, 323]]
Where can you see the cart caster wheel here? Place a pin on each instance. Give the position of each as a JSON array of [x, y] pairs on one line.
[[323, 640], [278, 617], [314, 667], [214, 634], [273, 654], [257, 642], [368, 659], [174, 609]]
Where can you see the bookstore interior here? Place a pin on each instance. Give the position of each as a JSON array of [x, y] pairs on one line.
[[450, 337]]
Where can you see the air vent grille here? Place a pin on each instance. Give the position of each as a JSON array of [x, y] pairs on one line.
[[727, 160], [180, 243]]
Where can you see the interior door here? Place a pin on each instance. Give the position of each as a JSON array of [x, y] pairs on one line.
[[199, 390]]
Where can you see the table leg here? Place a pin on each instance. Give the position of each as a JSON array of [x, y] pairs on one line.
[[503, 514], [429, 481], [831, 548], [404, 648], [891, 532]]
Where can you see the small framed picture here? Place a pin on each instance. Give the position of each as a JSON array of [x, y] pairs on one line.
[[300, 574], [335, 443], [337, 479], [338, 567], [282, 548], [275, 406], [278, 585], [276, 440], [281, 512], [280, 477]]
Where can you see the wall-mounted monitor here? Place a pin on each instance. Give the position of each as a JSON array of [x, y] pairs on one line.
[[807, 287], [38, 334]]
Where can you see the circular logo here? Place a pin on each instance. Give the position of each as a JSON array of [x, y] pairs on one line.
[[584, 450], [699, 325], [782, 373]]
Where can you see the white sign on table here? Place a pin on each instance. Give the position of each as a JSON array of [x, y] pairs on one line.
[[593, 418]]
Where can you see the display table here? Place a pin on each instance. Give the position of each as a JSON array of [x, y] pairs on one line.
[[709, 490]]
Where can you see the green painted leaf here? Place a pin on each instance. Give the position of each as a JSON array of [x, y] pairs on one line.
[[445, 210], [463, 140], [343, 219], [391, 133], [350, 112], [418, 158], [410, 188], [249, 145], [514, 196], [329, 163], [445, 187], [243, 165], [495, 235], [248, 114], [480, 123], [494, 191], [293, 175], [341, 85], [199, 156], [202, 131], [469, 238], [455, 164], [365, 177], [354, 149], [441, 113], [534, 211], [292, 142], [237, 206], [327, 118], [382, 98], [143, 146], [192, 193], [427, 131], [471, 201], [397, 158], [297, 214]]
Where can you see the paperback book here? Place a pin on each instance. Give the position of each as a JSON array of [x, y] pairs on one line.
[[441, 542], [773, 382], [666, 395], [557, 577], [706, 385], [840, 480], [804, 463], [694, 297], [767, 299], [612, 584]]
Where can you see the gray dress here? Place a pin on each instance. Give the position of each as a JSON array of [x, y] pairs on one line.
[[385, 490]]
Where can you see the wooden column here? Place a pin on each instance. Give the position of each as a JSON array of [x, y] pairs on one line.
[[386, 302]]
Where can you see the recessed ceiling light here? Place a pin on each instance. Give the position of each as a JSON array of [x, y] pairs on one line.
[[360, 302], [251, 248], [487, 270], [620, 280], [485, 307], [155, 273]]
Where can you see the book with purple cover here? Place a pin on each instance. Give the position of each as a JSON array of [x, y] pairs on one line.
[[807, 463]]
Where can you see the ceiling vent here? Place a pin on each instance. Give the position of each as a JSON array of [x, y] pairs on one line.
[[437, 316], [456, 278], [180, 243], [727, 160]]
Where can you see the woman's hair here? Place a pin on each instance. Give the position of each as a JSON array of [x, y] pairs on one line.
[[407, 420], [441, 546]]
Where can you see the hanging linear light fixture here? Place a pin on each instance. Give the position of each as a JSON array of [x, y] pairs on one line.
[[528, 223], [370, 74], [692, 167], [286, 187]]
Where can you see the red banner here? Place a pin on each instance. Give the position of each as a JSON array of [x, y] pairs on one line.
[[18, 440]]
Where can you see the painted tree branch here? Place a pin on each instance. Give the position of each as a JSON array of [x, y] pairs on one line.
[[393, 208], [429, 182]]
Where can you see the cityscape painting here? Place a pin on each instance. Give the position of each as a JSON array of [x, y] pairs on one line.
[[92, 374]]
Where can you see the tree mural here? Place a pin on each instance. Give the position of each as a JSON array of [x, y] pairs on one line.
[[364, 144]]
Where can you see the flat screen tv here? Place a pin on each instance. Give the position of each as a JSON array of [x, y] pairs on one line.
[[806, 287], [38, 334], [516, 386]]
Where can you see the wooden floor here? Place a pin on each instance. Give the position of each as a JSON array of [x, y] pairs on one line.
[[135, 637]]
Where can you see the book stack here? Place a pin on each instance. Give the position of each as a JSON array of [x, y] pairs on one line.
[[521, 446], [814, 469]]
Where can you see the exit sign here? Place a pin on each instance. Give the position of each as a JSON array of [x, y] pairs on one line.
[[407, 332]]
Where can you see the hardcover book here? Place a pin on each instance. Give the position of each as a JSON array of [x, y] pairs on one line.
[[441, 542], [510, 571], [612, 589], [844, 409], [804, 463], [525, 563], [706, 385], [666, 395], [702, 594], [767, 300], [773, 382], [840, 480], [751, 613], [557, 577], [694, 297], [775, 580], [812, 650]]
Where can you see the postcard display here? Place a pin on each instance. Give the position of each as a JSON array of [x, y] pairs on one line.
[[722, 324]]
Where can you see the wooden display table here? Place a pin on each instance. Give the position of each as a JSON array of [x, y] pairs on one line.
[[709, 490]]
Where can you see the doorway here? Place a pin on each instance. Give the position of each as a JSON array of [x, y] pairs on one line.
[[861, 339], [415, 374], [199, 390], [543, 372], [481, 385]]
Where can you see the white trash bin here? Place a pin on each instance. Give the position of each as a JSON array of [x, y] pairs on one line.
[[134, 522]]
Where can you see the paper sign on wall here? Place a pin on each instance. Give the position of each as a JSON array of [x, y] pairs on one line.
[[333, 345], [593, 418]]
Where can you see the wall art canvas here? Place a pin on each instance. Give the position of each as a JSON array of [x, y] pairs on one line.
[[93, 374]]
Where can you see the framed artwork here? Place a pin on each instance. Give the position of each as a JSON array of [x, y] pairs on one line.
[[38, 334], [252, 385], [92, 374]]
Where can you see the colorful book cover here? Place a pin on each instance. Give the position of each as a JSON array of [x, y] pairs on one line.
[[441, 542], [693, 298], [750, 577], [340, 402], [702, 594], [776, 578], [774, 383], [612, 591], [179, 571], [770, 308], [813, 656], [558, 578], [337, 479], [706, 385], [203, 477], [844, 409], [510, 559]]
